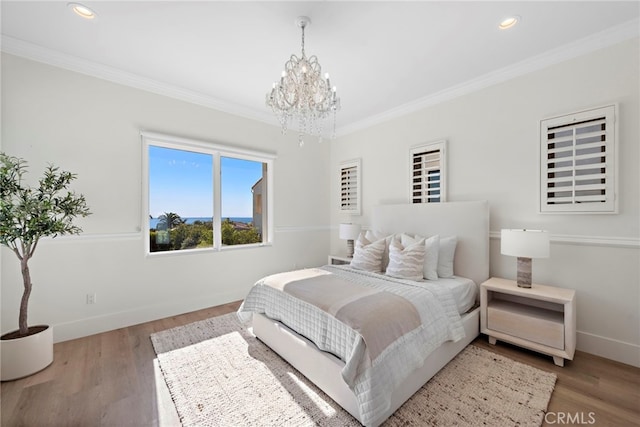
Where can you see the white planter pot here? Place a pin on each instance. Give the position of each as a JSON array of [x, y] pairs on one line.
[[22, 357]]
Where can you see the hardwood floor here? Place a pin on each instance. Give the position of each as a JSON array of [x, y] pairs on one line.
[[108, 380], [590, 390]]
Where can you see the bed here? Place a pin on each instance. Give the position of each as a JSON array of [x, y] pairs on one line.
[[331, 370]]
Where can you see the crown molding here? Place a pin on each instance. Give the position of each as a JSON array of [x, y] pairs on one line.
[[560, 54], [583, 46], [59, 59]]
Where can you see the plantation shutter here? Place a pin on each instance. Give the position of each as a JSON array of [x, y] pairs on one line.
[[427, 173], [577, 162], [350, 187]]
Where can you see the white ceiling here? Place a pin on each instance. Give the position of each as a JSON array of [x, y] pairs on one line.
[[386, 58]]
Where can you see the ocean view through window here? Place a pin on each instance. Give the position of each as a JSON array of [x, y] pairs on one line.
[[200, 196]]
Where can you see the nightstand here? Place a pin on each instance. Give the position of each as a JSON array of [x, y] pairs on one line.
[[339, 260], [540, 318]]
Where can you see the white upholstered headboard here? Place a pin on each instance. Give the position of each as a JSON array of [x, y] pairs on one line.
[[469, 221]]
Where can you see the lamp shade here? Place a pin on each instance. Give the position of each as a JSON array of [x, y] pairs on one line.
[[525, 243], [349, 231]]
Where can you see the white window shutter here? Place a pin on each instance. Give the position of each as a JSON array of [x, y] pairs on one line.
[[578, 161], [350, 187], [428, 173]]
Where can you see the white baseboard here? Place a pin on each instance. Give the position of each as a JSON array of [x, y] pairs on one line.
[[619, 351], [111, 321]]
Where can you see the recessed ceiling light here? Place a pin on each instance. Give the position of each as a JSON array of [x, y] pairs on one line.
[[508, 22], [82, 10]]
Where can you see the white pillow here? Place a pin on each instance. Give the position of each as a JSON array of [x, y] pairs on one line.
[[446, 255], [367, 255], [406, 262], [432, 245], [373, 236]]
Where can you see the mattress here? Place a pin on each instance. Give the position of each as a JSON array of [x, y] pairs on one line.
[[465, 291]]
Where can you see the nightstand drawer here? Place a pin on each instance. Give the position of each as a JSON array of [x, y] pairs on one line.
[[535, 324]]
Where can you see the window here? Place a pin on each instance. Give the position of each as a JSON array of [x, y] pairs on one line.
[[199, 195], [428, 173], [350, 187], [577, 162]]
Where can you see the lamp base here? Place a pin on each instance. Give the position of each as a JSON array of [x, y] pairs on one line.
[[350, 248], [524, 272]]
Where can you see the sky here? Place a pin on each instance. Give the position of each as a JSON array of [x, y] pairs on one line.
[[182, 182]]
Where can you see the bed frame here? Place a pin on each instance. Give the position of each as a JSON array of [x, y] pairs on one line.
[[469, 221]]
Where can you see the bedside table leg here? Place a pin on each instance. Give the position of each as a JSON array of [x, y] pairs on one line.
[[492, 340], [559, 361]]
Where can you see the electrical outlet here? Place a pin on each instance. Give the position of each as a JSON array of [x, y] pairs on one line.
[[91, 298]]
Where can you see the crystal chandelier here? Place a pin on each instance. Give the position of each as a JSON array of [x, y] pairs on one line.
[[304, 94]]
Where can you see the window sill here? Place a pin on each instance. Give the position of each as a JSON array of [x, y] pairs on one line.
[[162, 254]]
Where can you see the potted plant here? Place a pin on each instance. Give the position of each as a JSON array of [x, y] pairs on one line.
[[27, 214]]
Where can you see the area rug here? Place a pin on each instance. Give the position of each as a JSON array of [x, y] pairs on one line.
[[219, 374]]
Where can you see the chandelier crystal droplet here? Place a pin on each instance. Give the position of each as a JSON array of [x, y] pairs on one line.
[[304, 94]]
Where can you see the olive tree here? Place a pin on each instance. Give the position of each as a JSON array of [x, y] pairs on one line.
[[30, 213]]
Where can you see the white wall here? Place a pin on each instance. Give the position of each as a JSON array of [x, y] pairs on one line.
[[493, 142], [91, 127]]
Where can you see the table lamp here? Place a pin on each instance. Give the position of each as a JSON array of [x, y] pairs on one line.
[[525, 244], [349, 232]]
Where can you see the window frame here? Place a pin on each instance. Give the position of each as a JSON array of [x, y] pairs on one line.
[[609, 114], [217, 151], [441, 147], [357, 165]]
